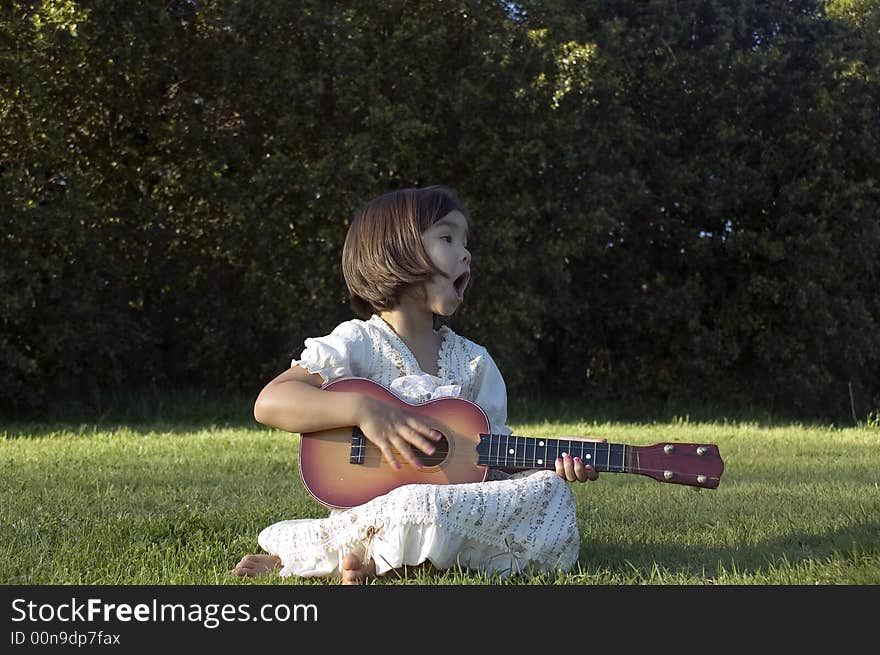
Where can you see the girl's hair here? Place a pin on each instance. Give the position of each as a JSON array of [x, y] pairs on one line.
[[383, 252]]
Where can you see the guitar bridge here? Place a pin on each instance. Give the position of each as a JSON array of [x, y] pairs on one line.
[[356, 455]]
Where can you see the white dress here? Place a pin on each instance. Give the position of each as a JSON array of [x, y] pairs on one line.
[[507, 525]]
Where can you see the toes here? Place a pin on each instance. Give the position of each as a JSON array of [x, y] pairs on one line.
[[351, 563], [356, 571], [242, 571], [242, 567], [255, 565]]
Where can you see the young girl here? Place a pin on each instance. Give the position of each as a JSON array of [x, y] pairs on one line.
[[405, 261]]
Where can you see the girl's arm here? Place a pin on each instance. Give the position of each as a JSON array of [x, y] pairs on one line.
[[295, 402]]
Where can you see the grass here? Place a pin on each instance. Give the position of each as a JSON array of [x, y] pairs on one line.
[[176, 497]]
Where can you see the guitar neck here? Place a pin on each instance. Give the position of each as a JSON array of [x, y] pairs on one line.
[[696, 465], [509, 451]]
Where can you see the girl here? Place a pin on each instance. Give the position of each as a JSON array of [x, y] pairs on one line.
[[405, 262]]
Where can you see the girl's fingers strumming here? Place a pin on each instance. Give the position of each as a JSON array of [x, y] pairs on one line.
[[388, 455], [422, 428], [404, 449], [421, 436], [423, 445]]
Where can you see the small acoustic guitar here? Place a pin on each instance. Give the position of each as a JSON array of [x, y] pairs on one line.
[[341, 468]]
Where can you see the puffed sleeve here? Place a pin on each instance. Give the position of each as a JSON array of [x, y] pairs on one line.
[[492, 394], [342, 353]]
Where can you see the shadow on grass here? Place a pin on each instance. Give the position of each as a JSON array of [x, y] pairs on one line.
[[148, 412], [159, 411], [647, 412], [749, 559]]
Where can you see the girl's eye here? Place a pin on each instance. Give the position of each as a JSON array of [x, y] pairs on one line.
[[447, 238]]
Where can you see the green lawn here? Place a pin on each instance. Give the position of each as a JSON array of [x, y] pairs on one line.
[[178, 501]]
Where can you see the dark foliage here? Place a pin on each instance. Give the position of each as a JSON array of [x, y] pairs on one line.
[[675, 200]]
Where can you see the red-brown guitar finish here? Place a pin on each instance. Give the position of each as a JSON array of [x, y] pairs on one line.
[[341, 468], [325, 457]]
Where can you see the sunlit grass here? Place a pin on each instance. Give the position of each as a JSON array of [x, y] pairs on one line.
[[177, 501]]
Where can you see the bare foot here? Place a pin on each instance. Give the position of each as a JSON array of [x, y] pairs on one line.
[[354, 571], [252, 566]]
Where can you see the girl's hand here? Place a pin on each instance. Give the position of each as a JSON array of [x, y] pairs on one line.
[[395, 431], [573, 469]]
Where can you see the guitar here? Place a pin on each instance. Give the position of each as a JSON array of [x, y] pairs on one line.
[[341, 468]]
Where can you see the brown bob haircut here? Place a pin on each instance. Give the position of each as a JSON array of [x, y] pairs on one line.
[[383, 252]]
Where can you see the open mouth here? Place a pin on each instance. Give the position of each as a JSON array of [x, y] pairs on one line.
[[460, 284]]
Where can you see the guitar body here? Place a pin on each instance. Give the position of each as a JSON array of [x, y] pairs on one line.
[[325, 457], [341, 468]]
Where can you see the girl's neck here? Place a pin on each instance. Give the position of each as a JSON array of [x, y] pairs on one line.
[[416, 330], [414, 327]]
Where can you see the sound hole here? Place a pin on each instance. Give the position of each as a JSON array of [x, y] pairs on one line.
[[439, 456]]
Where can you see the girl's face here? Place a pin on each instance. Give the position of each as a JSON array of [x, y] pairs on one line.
[[446, 244]]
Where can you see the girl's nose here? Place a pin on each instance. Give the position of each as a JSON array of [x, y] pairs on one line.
[[467, 256]]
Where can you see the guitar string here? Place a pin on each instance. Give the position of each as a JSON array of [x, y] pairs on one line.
[[370, 454], [374, 457]]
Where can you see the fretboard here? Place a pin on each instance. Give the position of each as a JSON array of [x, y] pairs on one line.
[[509, 451]]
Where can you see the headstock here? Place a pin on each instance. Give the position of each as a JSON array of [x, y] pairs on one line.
[[696, 465]]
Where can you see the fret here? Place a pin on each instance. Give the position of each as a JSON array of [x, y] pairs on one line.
[[506, 448], [602, 455], [615, 458]]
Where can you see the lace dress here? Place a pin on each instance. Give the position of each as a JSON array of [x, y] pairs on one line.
[[509, 524]]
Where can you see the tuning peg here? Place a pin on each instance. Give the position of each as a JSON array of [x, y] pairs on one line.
[[702, 450], [668, 448]]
